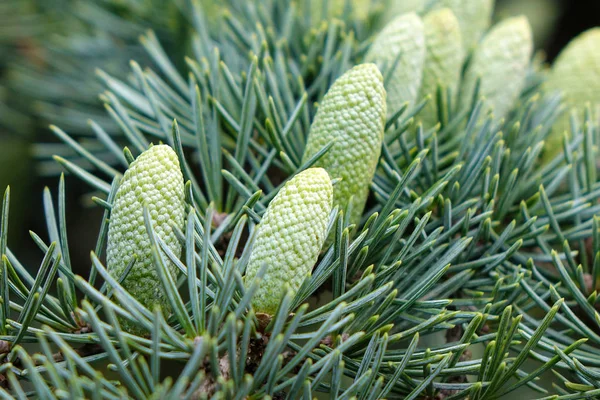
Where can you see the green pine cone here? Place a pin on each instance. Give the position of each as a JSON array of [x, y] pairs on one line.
[[290, 236], [474, 17], [403, 36], [153, 180], [352, 114], [575, 74], [501, 62], [443, 59]]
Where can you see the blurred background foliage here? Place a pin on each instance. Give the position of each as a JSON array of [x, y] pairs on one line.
[[50, 55], [51, 52]]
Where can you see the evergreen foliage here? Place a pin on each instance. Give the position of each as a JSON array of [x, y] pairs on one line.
[[472, 271]]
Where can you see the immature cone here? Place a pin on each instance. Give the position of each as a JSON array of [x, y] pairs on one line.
[[352, 114], [501, 61], [153, 180], [474, 17], [403, 37], [290, 237], [443, 59], [576, 74]]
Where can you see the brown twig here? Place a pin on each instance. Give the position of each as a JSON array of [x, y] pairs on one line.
[[254, 358]]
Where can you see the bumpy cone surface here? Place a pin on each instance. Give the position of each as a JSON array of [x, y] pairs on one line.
[[443, 59], [352, 114], [290, 236], [474, 17], [403, 36], [155, 180], [576, 74], [501, 61]]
